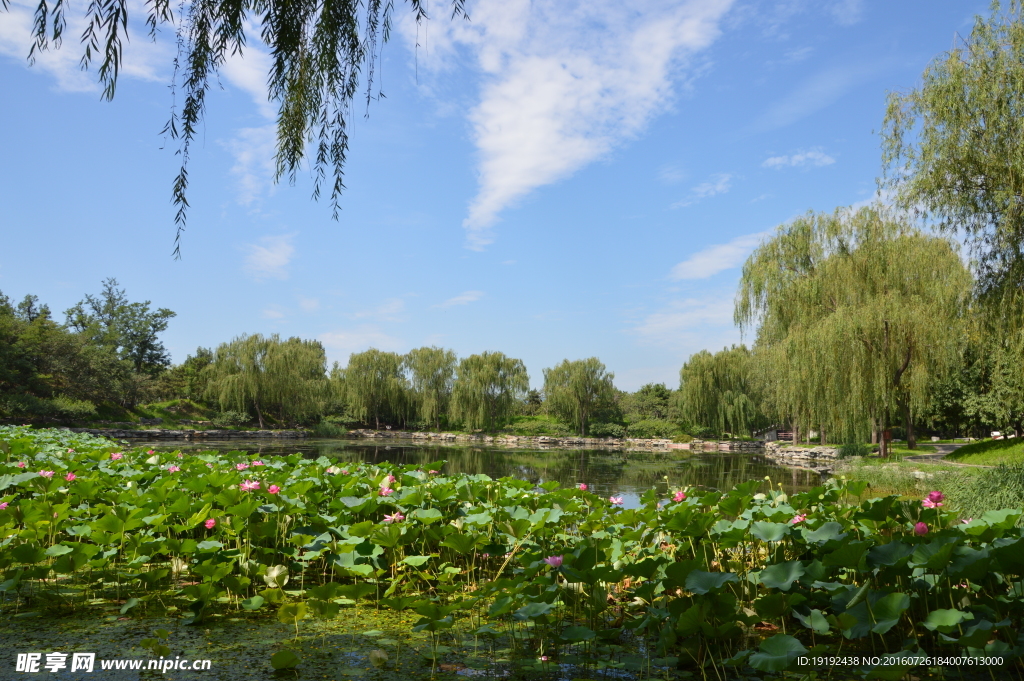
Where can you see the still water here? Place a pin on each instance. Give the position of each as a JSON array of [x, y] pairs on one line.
[[628, 474]]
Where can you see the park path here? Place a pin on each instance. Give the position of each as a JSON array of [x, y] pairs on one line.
[[941, 451]]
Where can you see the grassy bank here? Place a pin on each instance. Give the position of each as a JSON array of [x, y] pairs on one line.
[[990, 452]]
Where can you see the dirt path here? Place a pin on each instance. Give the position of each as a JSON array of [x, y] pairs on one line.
[[939, 456]]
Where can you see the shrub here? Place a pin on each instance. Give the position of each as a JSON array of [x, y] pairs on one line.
[[854, 449], [607, 430], [653, 428], [327, 429], [230, 419]]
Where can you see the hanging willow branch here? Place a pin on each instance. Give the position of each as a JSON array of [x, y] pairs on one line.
[[319, 48]]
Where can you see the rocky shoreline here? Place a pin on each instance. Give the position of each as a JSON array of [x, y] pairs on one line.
[[822, 459], [545, 441]]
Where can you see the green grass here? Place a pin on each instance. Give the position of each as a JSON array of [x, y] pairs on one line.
[[990, 452], [904, 478]]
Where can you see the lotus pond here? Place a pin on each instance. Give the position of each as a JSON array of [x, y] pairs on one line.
[[308, 568]]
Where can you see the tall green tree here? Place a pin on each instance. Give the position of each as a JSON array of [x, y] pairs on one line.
[[856, 314], [576, 391], [375, 387], [131, 329], [717, 391], [319, 54], [267, 375], [488, 389], [954, 148], [431, 376]]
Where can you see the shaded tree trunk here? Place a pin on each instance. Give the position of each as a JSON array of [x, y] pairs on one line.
[[908, 425]]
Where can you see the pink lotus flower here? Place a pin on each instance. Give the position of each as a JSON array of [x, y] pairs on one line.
[[114, 456], [273, 489], [933, 500], [241, 466], [386, 491], [173, 469], [3, 505], [249, 485], [395, 517], [344, 471], [21, 464], [544, 658], [209, 465], [71, 451], [70, 476], [210, 522], [928, 503], [433, 472], [966, 520], [920, 529], [390, 478], [46, 474], [257, 462], [583, 487], [151, 452], [615, 501], [554, 561], [679, 496], [180, 455], [798, 518]]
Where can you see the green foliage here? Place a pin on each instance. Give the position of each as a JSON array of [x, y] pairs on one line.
[[954, 149], [578, 391], [375, 387], [231, 419], [431, 377], [558, 567], [608, 430], [717, 391], [537, 426], [264, 374], [846, 308], [653, 428], [1001, 487], [854, 449], [488, 389]]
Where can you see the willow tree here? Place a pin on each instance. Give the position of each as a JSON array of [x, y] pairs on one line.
[[954, 149], [855, 312], [576, 391], [431, 376], [375, 386], [266, 375], [319, 53], [487, 390], [716, 391]]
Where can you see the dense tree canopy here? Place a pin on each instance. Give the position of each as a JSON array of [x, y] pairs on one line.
[[431, 376], [319, 51], [264, 373], [717, 391], [488, 389], [856, 313], [375, 386], [577, 391], [954, 148]]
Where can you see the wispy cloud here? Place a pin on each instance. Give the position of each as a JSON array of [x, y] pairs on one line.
[[717, 258], [389, 310], [248, 71], [340, 344], [719, 183], [463, 299], [815, 93], [690, 324], [848, 12], [671, 174], [269, 259], [309, 304], [141, 58], [802, 159], [253, 149], [564, 83]]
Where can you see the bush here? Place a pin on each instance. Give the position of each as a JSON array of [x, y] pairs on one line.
[[607, 430], [653, 428], [327, 429], [854, 449], [230, 419]]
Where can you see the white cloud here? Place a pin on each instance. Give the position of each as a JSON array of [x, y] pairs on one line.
[[386, 311], [141, 57], [717, 258], [254, 168], [719, 183], [671, 174], [269, 258], [816, 93], [340, 344], [249, 71], [463, 299], [564, 83], [691, 324], [801, 159], [848, 12], [273, 313], [309, 304]]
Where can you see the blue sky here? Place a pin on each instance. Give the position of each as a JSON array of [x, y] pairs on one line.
[[551, 179]]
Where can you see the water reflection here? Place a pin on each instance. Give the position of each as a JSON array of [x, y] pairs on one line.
[[605, 472]]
